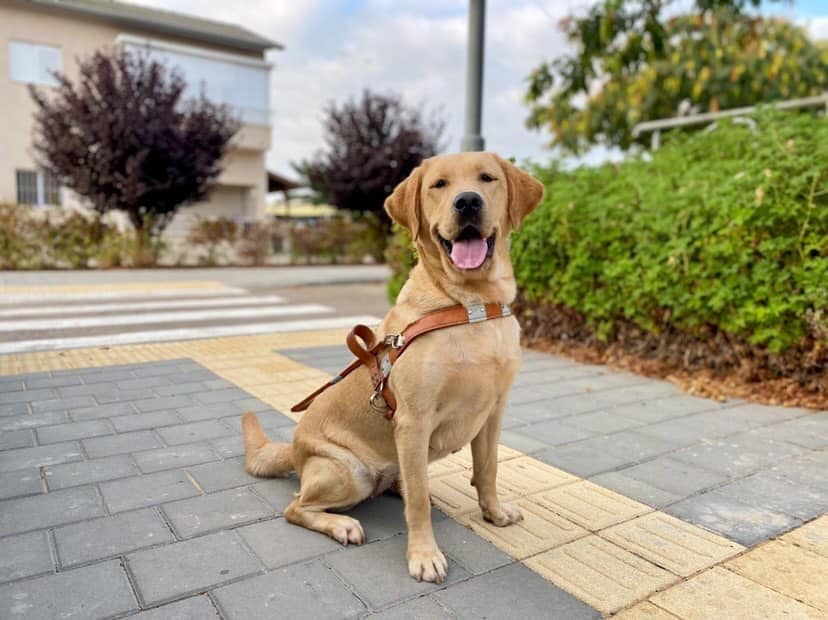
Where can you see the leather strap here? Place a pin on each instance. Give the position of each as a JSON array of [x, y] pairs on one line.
[[380, 356]]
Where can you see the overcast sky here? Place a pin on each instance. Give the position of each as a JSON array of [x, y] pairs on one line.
[[336, 48]]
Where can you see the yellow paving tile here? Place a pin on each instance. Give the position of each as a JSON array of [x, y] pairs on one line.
[[679, 547], [539, 531], [812, 536], [455, 495], [720, 593], [525, 475], [590, 505], [644, 611], [600, 573], [443, 467], [788, 569]]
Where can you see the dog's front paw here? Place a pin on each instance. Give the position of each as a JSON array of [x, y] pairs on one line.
[[503, 515], [427, 564]]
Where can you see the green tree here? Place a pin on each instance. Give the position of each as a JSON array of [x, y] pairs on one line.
[[632, 63]]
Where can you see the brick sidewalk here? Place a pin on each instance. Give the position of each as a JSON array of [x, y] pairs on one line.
[[123, 490]]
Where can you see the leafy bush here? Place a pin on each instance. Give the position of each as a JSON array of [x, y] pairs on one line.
[[722, 232], [212, 233]]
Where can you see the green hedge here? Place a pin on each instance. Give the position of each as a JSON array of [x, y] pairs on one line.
[[726, 229]]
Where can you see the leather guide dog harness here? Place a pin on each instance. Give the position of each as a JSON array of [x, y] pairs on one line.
[[379, 356]]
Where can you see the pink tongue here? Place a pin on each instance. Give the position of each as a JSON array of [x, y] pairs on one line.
[[469, 254]]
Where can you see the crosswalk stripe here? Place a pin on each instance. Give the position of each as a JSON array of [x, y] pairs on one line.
[[175, 304], [50, 344], [18, 298], [161, 317]]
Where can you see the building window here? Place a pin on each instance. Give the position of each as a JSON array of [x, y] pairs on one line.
[[33, 64], [37, 187]]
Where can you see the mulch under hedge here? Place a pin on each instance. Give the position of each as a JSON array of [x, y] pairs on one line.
[[714, 365]]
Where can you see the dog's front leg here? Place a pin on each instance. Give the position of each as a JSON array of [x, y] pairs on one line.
[[484, 459], [425, 560]]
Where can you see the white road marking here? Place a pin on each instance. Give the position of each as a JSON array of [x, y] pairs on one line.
[[18, 298], [174, 304], [161, 317], [194, 333]]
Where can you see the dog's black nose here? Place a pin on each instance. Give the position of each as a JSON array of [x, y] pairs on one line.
[[468, 203]]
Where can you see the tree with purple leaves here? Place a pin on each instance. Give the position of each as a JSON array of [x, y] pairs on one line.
[[127, 136]]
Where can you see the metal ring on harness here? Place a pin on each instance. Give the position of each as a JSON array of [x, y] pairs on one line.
[[378, 396]]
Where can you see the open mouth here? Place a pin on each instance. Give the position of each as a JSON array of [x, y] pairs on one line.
[[469, 250]]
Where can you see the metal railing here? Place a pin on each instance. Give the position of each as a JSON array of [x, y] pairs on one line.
[[700, 119]]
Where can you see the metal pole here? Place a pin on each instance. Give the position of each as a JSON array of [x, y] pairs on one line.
[[473, 140]]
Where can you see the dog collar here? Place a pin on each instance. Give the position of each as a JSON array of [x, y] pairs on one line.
[[379, 355]]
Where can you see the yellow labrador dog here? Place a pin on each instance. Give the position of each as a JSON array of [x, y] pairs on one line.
[[450, 385]]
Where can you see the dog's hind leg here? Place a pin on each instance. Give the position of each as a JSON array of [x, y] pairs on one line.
[[327, 483]]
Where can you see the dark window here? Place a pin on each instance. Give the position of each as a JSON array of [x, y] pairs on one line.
[[27, 187]]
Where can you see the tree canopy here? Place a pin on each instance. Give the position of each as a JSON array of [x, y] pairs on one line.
[[634, 62], [371, 144], [125, 136]]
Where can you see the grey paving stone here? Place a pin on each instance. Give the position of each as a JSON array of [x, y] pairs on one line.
[[278, 492], [13, 423], [192, 375], [676, 477], [193, 431], [110, 536], [585, 458], [61, 404], [75, 391], [140, 491], [181, 389], [475, 555], [808, 431], [218, 384], [602, 422], [308, 591], [26, 458], [193, 608], [89, 471], [143, 421], [224, 509], [120, 444], [52, 382], [381, 517], [769, 491], [26, 396], [160, 459], [553, 432], [422, 608], [173, 571], [228, 447], [512, 592], [157, 369], [227, 395], [808, 469], [755, 415], [279, 543], [635, 489], [22, 438], [73, 430], [379, 572], [38, 511], [660, 409], [12, 384], [25, 555], [520, 442], [20, 482], [145, 383], [101, 411], [747, 525], [738, 455], [96, 591], [163, 403], [220, 475], [637, 445], [14, 409], [252, 404], [197, 413], [111, 396], [270, 418], [107, 376]]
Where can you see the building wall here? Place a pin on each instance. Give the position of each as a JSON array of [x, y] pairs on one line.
[[244, 166]]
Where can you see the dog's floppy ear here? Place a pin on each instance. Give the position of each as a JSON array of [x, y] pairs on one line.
[[403, 205], [525, 192]]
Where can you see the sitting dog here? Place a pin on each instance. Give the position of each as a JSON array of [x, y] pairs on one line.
[[450, 386]]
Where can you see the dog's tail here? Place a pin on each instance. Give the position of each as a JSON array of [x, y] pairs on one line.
[[264, 458]]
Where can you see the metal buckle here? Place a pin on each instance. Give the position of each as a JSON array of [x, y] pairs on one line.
[[505, 310], [378, 396], [395, 341], [477, 313], [385, 367]]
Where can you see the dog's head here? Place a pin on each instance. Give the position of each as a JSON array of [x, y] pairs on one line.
[[460, 209]]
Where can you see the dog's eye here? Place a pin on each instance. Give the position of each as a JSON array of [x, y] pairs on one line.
[[486, 177], [439, 183]]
